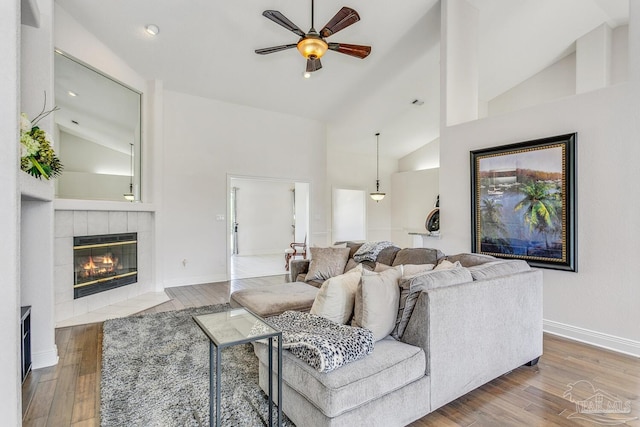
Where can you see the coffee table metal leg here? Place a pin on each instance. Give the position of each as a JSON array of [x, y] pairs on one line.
[[280, 379], [218, 384], [211, 379], [270, 382]]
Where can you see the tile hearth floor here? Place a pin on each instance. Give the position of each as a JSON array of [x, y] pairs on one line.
[[121, 309]]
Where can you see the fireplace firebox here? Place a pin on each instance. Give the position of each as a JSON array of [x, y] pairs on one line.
[[104, 262]]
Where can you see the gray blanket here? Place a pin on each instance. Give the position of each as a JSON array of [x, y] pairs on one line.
[[369, 251], [323, 344]]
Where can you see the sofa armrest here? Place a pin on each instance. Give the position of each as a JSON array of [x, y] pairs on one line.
[[298, 266], [476, 331]]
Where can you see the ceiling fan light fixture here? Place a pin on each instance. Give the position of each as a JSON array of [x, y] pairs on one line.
[[312, 47]]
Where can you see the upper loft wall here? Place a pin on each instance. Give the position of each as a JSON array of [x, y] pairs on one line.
[[425, 157], [559, 79]]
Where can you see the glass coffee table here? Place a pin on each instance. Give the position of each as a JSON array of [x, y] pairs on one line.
[[233, 327]]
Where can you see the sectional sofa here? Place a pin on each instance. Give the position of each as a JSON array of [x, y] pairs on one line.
[[467, 325]]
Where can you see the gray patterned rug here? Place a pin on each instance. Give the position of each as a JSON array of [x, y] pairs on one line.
[[155, 372]]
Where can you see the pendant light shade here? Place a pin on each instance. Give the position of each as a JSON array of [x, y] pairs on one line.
[[377, 195]]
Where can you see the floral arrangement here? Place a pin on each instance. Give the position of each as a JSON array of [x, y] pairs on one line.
[[37, 157]]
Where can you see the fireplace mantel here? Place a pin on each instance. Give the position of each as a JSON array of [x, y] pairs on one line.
[[101, 205]]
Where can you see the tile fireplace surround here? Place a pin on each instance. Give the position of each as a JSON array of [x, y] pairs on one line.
[[70, 223]]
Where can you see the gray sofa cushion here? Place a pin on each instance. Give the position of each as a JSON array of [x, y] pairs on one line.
[[410, 289], [387, 255], [417, 256], [498, 268], [469, 260], [273, 300], [327, 263], [390, 366]]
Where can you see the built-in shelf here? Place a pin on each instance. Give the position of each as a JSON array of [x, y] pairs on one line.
[[30, 13], [32, 188], [425, 234]]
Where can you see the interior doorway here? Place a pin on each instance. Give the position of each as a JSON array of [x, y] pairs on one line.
[[349, 215], [265, 216]]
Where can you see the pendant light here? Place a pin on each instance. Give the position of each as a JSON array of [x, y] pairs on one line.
[[130, 196], [377, 196]]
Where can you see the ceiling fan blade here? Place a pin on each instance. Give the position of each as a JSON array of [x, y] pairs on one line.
[[313, 65], [282, 20], [274, 49], [351, 49], [345, 17]]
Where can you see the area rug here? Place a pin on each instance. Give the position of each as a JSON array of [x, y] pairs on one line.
[[155, 372]]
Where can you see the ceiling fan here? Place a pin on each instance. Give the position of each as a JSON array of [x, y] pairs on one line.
[[312, 45]]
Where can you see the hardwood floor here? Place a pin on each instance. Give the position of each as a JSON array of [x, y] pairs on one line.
[[68, 394]]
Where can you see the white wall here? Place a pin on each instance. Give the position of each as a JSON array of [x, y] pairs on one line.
[[206, 140], [358, 171], [619, 55], [554, 82], [265, 216], [597, 304], [10, 397], [36, 217], [559, 79], [425, 157], [414, 196]]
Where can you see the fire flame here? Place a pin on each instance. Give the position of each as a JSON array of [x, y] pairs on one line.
[[102, 265]]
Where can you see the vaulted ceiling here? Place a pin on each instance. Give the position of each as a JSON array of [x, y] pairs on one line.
[[207, 48]]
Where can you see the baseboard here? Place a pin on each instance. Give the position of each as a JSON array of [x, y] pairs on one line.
[[42, 359], [598, 339]]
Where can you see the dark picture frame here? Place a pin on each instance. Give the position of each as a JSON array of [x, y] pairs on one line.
[[523, 202]]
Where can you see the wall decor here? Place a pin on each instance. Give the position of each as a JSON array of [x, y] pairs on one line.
[[524, 201]]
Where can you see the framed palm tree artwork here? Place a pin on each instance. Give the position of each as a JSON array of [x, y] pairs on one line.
[[524, 201]]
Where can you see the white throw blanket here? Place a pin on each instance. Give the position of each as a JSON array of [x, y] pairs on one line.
[[323, 344]]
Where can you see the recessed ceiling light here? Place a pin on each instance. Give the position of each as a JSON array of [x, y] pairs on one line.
[[306, 75], [72, 93], [152, 29], [417, 102]]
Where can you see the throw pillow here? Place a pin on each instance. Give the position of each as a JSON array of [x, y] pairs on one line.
[[377, 302], [447, 265], [337, 295], [326, 263], [379, 268], [410, 270], [410, 289]]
